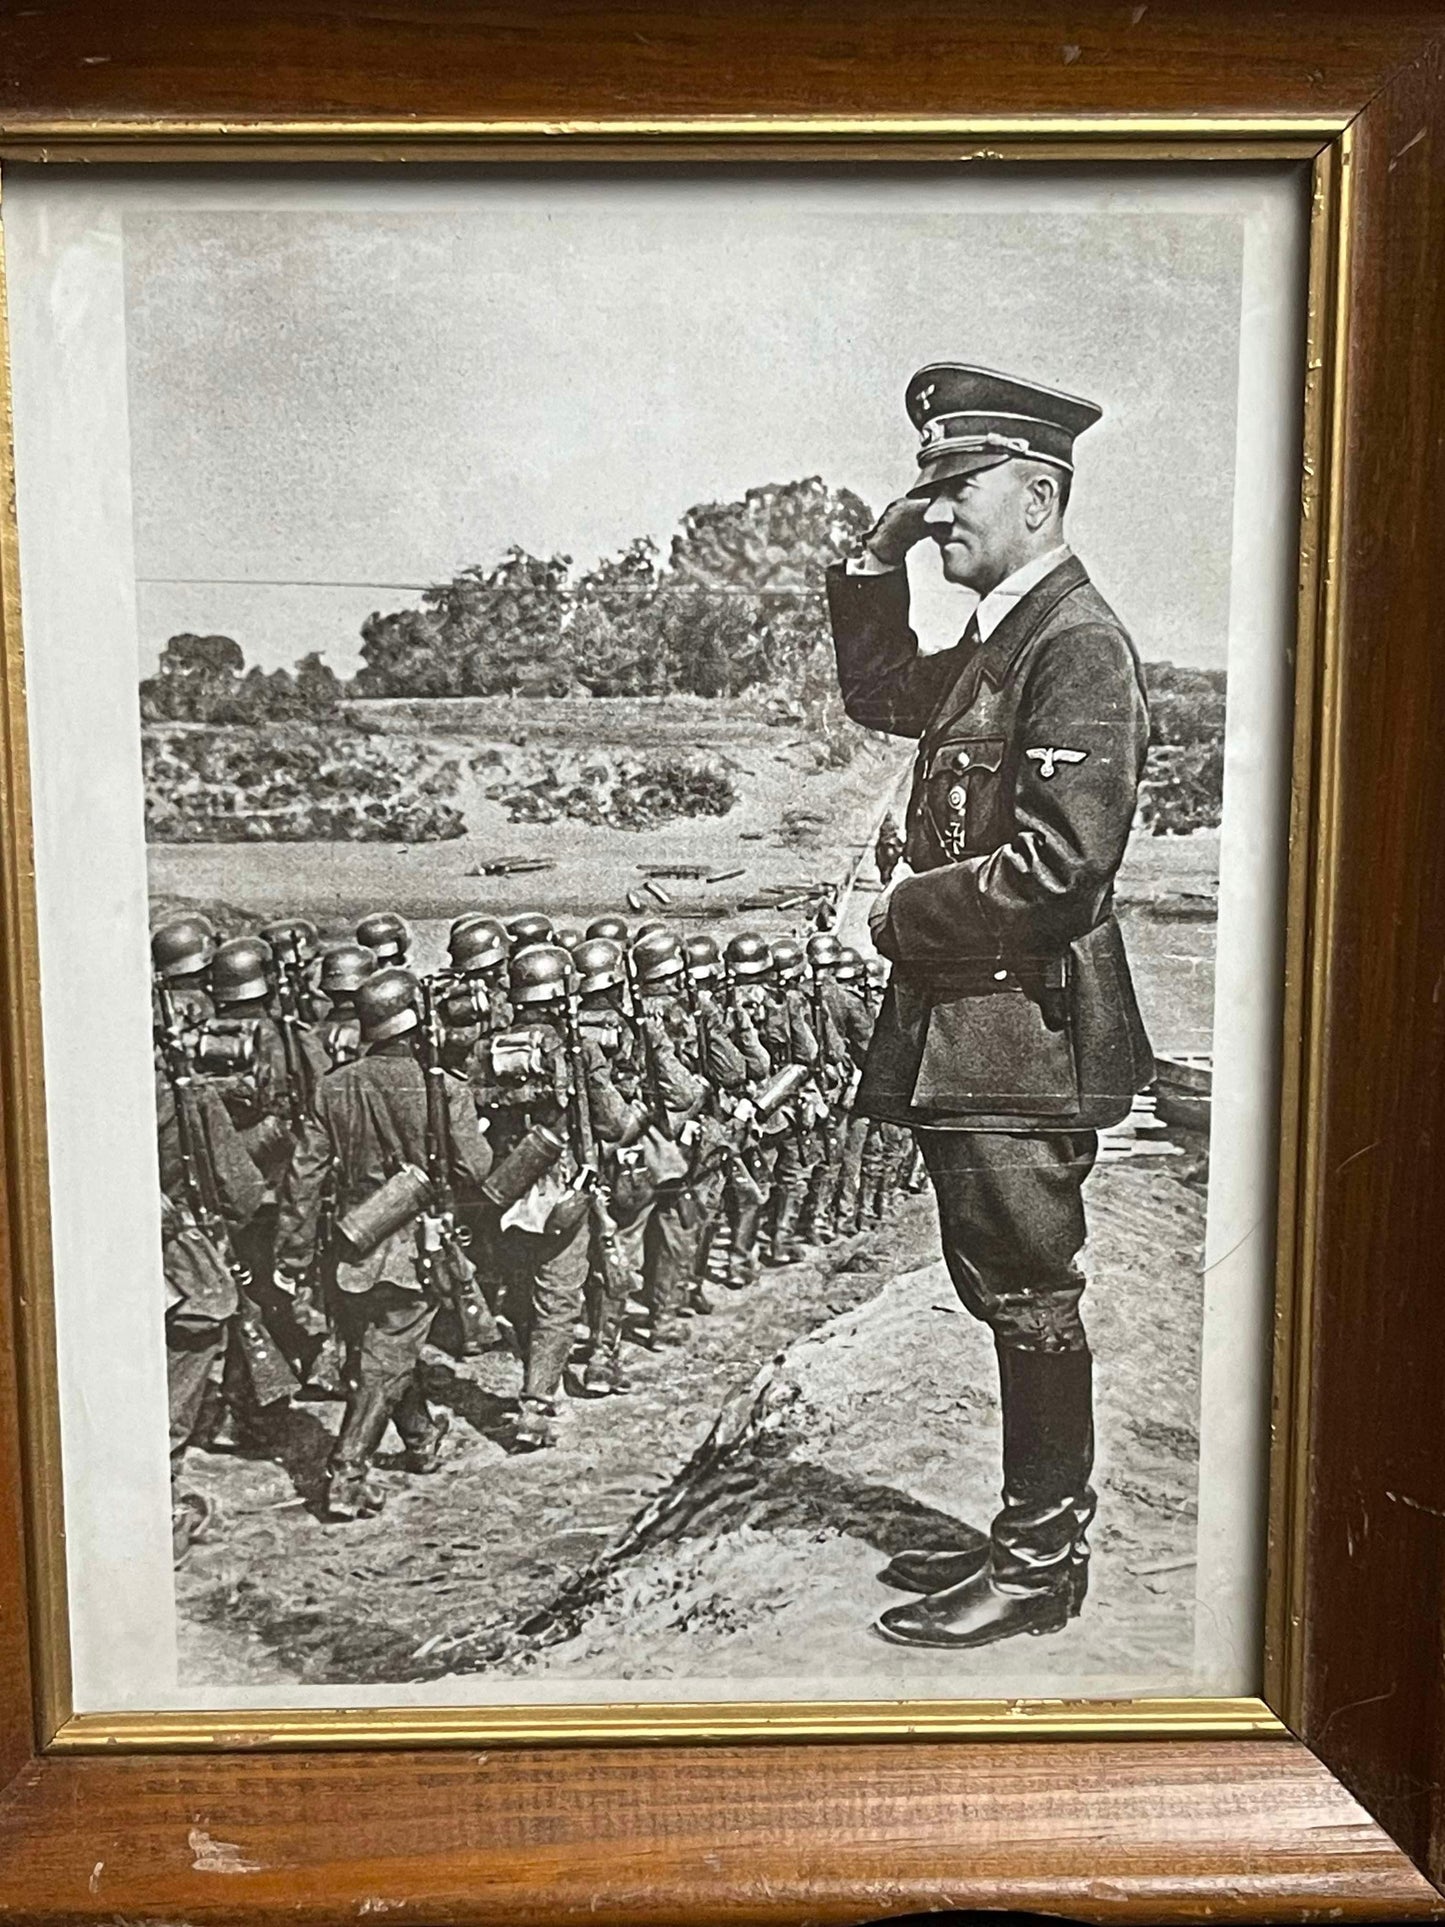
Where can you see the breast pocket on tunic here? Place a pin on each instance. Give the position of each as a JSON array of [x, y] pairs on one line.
[[963, 795]]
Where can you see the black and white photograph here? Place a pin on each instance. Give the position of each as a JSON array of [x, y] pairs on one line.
[[664, 799]]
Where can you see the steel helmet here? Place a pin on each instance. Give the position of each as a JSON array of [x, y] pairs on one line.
[[183, 947], [292, 939], [466, 920], [824, 951], [748, 956], [541, 974], [238, 970], [878, 971], [388, 1005], [476, 945], [850, 965], [787, 960], [704, 959], [533, 926], [568, 935], [649, 929], [346, 966], [598, 963], [614, 927], [657, 958], [385, 933]]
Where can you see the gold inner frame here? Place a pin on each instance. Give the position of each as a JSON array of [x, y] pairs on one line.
[[1324, 144]]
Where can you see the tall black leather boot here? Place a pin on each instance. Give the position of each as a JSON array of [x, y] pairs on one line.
[[1035, 1575], [1048, 1456]]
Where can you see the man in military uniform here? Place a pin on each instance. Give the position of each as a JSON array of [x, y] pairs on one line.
[[267, 1108], [545, 1231], [345, 967], [676, 1085], [748, 962], [888, 1147], [370, 1124], [203, 1165], [714, 1055], [1010, 1033], [853, 1021], [888, 848], [798, 1145], [843, 1030], [295, 948], [181, 952], [475, 1006]]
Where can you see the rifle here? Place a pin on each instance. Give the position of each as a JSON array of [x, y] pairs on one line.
[[583, 1133], [701, 1030], [828, 1065], [651, 1075], [300, 1094], [272, 1378], [451, 1275]]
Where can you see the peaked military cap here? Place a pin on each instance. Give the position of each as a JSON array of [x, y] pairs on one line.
[[974, 418]]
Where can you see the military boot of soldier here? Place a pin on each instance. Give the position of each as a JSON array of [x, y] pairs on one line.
[[1027, 1287], [743, 1204], [1035, 1576], [786, 1203], [604, 1372], [708, 1193], [843, 1206], [191, 1350], [815, 1223], [667, 1265], [389, 1325], [551, 1270]]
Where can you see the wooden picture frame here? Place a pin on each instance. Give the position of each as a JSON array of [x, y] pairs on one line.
[[1321, 1796]]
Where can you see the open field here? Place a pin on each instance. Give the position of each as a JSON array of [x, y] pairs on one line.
[[594, 867]]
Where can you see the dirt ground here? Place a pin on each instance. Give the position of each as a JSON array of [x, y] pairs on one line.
[[858, 1403]]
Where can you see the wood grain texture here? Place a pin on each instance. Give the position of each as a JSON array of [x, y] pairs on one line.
[[1375, 1667], [460, 58], [1142, 1831], [1146, 1831]]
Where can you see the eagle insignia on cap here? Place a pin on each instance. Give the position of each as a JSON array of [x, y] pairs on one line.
[[970, 418], [1048, 760]]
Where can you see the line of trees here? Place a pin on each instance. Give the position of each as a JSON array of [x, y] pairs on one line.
[[737, 603], [204, 679]]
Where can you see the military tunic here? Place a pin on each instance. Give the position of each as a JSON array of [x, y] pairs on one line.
[[370, 1120], [201, 1294], [1010, 1030]]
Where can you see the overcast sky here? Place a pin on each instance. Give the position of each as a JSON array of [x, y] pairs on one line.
[[337, 397]]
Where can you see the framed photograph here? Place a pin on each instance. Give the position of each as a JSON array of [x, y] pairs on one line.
[[690, 812]]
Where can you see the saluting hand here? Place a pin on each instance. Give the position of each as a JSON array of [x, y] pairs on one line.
[[898, 529]]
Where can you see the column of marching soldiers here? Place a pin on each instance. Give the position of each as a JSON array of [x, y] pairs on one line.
[[553, 1143]]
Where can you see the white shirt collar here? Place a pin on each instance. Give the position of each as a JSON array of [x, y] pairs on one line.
[[996, 604]]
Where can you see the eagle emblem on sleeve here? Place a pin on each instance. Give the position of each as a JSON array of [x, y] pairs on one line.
[[1049, 760]]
